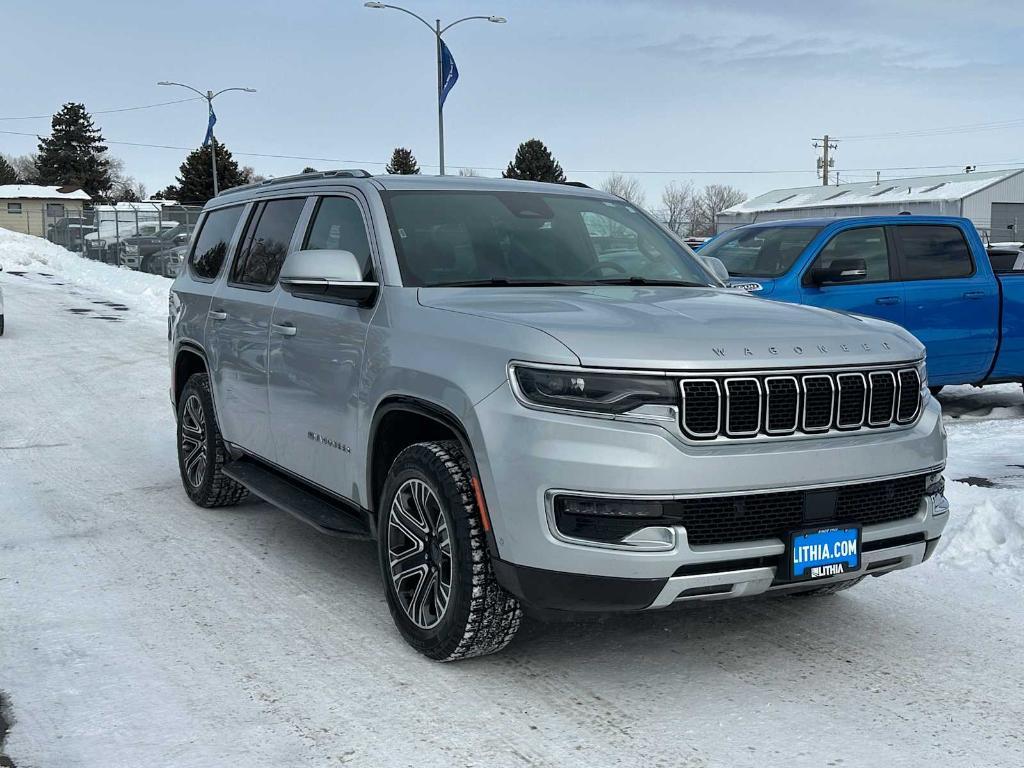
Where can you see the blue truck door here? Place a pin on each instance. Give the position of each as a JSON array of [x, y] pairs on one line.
[[879, 294], [951, 307]]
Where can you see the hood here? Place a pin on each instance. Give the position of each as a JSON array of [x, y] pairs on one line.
[[667, 328]]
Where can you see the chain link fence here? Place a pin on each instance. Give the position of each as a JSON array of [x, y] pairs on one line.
[[145, 236]]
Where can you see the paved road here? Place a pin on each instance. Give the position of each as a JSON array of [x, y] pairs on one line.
[[139, 630]]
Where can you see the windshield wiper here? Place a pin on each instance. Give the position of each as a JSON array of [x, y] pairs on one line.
[[500, 281], [637, 280]]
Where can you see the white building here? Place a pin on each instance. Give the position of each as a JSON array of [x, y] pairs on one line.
[[993, 200]]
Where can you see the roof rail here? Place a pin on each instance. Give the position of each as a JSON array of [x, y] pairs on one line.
[[341, 173]]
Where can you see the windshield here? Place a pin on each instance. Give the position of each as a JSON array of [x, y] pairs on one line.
[[760, 251], [530, 238]]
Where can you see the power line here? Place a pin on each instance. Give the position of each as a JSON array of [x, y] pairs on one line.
[[110, 111], [631, 172], [937, 131]]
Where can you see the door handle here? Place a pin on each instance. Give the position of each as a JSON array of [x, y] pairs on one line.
[[887, 300], [284, 330], [218, 315], [974, 294]]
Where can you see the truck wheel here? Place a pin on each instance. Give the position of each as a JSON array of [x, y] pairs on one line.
[[831, 589], [146, 265], [437, 574], [1, 325], [201, 453]]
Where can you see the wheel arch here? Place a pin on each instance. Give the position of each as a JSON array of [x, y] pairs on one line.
[[188, 360], [401, 421]]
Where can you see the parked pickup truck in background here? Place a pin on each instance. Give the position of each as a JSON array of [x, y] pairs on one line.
[[930, 274]]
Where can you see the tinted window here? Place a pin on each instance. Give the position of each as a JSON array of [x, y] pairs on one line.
[[338, 226], [264, 251], [760, 251], [930, 251], [528, 237], [867, 243], [212, 243]]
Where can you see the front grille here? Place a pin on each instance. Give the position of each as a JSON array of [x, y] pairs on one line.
[[752, 517], [745, 406]]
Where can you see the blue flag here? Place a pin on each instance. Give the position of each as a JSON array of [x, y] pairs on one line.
[[449, 72], [209, 127]]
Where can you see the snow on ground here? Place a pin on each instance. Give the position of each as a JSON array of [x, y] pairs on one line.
[[146, 293], [139, 630]]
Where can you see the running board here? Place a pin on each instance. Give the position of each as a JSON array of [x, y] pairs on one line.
[[324, 513]]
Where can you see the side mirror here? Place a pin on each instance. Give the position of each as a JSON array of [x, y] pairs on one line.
[[181, 239], [840, 271], [717, 267], [327, 275]]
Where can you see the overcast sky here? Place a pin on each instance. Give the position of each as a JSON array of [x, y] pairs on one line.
[[646, 85]]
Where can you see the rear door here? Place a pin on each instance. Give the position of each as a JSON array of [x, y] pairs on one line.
[[879, 294], [238, 330], [952, 308], [316, 356]]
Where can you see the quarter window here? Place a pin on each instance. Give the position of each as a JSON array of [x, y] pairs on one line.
[[866, 243], [930, 252], [212, 242], [338, 225], [263, 253]]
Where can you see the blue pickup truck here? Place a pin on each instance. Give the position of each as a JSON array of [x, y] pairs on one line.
[[930, 274]]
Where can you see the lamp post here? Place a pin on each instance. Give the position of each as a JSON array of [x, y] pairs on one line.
[[437, 30], [210, 96]]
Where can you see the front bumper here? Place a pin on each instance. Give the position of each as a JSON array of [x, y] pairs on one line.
[[537, 451]]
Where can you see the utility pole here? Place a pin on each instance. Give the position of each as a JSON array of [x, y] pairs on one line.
[[825, 162]]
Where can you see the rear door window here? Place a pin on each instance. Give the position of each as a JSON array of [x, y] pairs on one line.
[[933, 252], [867, 243], [266, 245], [213, 241]]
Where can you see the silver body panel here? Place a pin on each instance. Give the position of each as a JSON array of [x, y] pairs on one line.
[[452, 348]]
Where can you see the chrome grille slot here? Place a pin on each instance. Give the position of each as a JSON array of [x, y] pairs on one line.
[[883, 398], [782, 413], [909, 395], [818, 397], [701, 413], [742, 407], [725, 406], [853, 392]]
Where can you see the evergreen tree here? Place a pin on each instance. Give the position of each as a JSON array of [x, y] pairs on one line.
[[74, 154], [309, 169], [402, 162], [195, 176], [7, 173], [534, 162]]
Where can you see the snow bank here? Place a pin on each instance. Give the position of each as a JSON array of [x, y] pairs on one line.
[[985, 531], [143, 292]]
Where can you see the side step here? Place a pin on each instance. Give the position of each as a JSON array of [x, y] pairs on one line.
[[327, 515]]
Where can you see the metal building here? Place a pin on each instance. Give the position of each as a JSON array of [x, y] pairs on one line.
[[993, 200]]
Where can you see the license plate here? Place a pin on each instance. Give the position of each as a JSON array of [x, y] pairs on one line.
[[823, 552]]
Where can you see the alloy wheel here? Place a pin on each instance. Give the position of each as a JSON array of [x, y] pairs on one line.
[[193, 441], [419, 553]]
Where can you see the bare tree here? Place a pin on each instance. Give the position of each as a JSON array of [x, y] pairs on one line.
[[712, 200], [468, 172], [677, 206], [24, 166], [626, 187]]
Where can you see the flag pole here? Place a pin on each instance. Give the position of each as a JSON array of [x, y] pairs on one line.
[[440, 100], [213, 147]]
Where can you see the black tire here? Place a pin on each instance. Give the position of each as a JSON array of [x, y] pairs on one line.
[[478, 617], [1, 325], [831, 589], [146, 265], [201, 452]]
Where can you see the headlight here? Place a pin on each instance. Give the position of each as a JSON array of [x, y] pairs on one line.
[[922, 372], [131, 249], [604, 393]]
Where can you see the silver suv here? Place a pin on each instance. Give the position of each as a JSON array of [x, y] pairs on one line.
[[534, 395]]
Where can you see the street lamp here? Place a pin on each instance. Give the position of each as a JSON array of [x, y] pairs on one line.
[[210, 96], [438, 31]]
